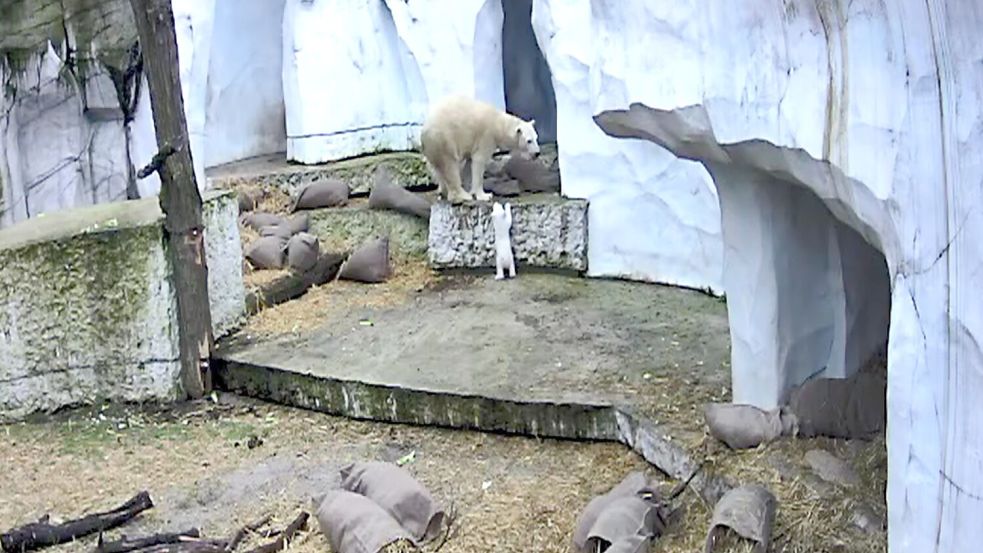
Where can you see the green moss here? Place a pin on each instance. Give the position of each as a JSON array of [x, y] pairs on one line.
[[405, 405], [345, 228], [82, 300]]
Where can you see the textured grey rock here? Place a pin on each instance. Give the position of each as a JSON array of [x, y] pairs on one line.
[[87, 306], [547, 232]]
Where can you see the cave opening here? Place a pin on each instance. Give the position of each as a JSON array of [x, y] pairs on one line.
[[528, 81]]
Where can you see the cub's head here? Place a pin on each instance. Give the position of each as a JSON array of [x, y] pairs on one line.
[[526, 139]]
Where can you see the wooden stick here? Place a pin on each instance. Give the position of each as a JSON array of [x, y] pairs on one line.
[[294, 285], [131, 544], [41, 534], [281, 543], [241, 534]]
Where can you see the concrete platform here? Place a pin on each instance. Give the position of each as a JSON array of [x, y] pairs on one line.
[[544, 355], [407, 169]]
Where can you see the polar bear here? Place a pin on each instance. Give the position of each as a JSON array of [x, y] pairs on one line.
[[502, 223], [459, 127]]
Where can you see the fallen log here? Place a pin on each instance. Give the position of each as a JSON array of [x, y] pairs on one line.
[[295, 285], [281, 542], [193, 546], [126, 544], [42, 534]]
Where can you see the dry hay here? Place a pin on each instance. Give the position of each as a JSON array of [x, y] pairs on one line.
[[332, 302], [510, 493]]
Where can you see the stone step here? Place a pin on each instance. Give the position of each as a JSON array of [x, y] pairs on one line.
[[547, 232], [344, 228], [407, 169]]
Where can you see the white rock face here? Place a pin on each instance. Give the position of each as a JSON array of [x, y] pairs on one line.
[[244, 116], [358, 77], [822, 126], [653, 217]]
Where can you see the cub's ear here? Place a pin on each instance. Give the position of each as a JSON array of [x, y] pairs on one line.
[[532, 122]]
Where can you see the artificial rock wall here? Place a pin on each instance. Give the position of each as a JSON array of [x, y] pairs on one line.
[[653, 216], [87, 307], [821, 124], [69, 138]]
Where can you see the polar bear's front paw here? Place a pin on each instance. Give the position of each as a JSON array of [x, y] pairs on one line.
[[482, 196], [458, 198]]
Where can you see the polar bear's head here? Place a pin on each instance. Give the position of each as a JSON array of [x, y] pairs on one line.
[[526, 139]]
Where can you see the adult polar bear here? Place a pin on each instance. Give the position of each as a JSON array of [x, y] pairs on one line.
[[459, 127]]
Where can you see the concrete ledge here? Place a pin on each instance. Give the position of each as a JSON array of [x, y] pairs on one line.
[[404, 405], [547, 232], [87, 305], [396, 404], [406, 169]]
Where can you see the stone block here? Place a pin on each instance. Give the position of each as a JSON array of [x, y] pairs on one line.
[[547, 232], [87, 304]]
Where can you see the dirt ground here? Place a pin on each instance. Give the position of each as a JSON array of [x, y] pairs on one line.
[[511, 493], [218, 466]]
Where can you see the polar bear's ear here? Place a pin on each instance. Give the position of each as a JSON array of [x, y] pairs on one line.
[[532, 122]]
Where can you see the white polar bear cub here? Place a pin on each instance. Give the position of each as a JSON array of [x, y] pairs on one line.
[[459, 127], [502, 221]]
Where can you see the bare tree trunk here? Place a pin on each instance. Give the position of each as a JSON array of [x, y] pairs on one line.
[[179, 197]]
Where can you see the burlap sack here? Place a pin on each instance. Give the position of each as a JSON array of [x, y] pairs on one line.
[[749, 511], [386, 195], [325, 193], [368, 263], [260, 219], [280, 231], [631, 544], [302, 252], [633, 485], [288, 227], [396, 491], [622, 519], [267, 252], [504, 186], [355, 524], [248, 199], [532, 175], [855, 407], [744, 426]]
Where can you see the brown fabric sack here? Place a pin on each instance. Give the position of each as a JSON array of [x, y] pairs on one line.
[[631, 544], [746, 426], [368, 263], [302, 252], [854, 407], [747, 510], [260, 219], [386, 195], [288, 227], [354, 524], [325, 193], [502, 186], [267, 252], [248, 200], [532, 175], [622, 519], [396, 491], [280, 231], [633, 485]]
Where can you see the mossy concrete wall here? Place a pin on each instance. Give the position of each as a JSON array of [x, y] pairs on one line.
[[87, 304]]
